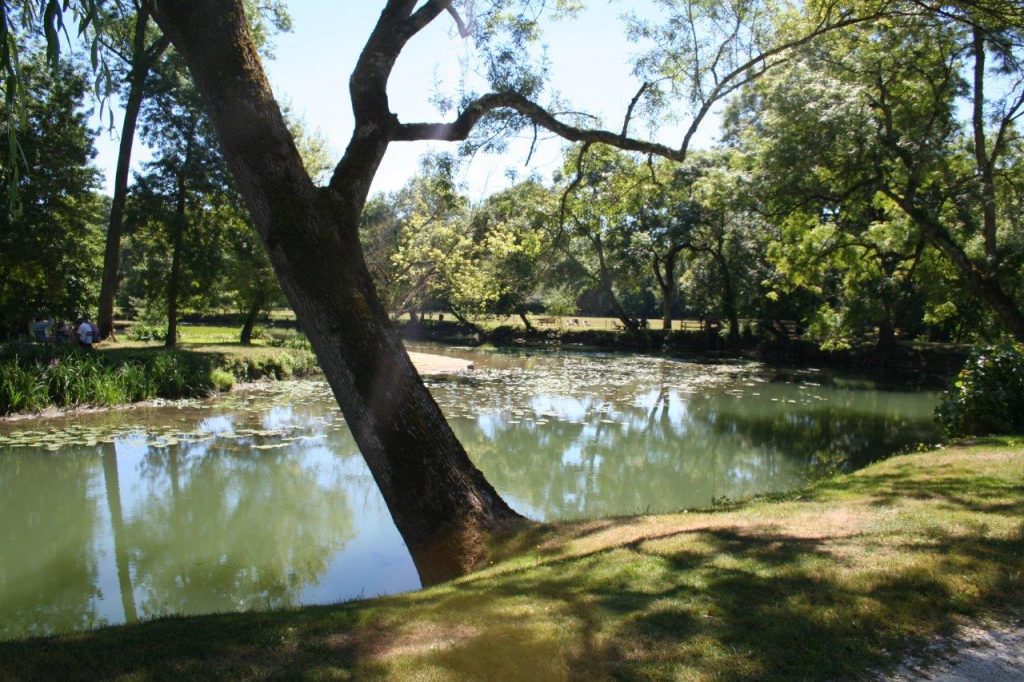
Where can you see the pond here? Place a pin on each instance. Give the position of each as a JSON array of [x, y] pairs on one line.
[[260, 499]]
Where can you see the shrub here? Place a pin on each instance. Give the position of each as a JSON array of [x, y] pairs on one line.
[[285, 338], [988, 393], [222, 380], [145, 331]]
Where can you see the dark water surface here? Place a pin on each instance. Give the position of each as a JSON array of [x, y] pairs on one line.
[[261, 500]]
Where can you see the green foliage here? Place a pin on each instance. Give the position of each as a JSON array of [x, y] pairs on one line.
[[988, 394], [50, 247], [33, 377], [147, 331], [290, 364], [222, 380], [284, 338]]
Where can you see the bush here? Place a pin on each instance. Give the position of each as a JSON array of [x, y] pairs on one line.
[[988, 393], [222, 381], [284, 338], [144, 331], [283, 364]]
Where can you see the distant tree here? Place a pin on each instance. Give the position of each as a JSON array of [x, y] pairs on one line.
[[182, 189], [516, 231], [139, 46], [135, 46]]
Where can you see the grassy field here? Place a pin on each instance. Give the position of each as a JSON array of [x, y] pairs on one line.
[[845, 577]]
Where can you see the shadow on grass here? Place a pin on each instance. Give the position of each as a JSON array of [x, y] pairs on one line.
[[724, 601], [979, 494]]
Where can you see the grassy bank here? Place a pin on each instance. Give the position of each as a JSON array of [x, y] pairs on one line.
[[842, 578], [36, 376]]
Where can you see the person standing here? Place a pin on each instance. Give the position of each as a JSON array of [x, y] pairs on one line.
[[41, 328], [86, 335]]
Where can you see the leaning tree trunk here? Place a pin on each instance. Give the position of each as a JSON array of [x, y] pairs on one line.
[[604, 279], [440, 502]]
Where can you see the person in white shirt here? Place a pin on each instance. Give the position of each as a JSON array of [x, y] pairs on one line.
[[84, 332]]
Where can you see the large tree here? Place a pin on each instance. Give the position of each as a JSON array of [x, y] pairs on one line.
[[440, 502]]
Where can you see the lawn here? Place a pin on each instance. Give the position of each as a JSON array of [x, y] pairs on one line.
[[842, 578]]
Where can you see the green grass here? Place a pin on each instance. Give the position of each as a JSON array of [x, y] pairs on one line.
[[34, 377], [189, 333], [842, 578]]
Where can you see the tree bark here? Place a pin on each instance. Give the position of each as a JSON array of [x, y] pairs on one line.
[[526, 321], [981, 155], [250, 321], [115, 227], [174, 281], [729, 307], [886, 334], [440, 502], [667, 284], [173, 285]]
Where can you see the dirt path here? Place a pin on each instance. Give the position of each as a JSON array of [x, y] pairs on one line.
[[438, 364], [983, 652]]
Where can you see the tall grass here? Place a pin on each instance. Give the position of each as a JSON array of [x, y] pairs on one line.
[[34, 377]]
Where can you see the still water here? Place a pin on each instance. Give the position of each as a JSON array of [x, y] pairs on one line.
[[260, 499]]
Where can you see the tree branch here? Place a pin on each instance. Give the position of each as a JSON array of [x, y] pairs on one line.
[[462, 126]]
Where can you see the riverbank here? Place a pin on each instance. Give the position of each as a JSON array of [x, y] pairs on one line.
[[846, 577], [43, 381], [930, 363], [35, 378]]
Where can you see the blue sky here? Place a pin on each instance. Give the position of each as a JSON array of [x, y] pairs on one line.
[[589, 58]]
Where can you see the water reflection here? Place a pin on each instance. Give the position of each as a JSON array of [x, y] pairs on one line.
[[260, 500], [49, 558], [226, 527]]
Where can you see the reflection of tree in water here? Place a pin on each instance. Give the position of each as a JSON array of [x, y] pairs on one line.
[[47, 541], [231, 528], [665, 449]]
